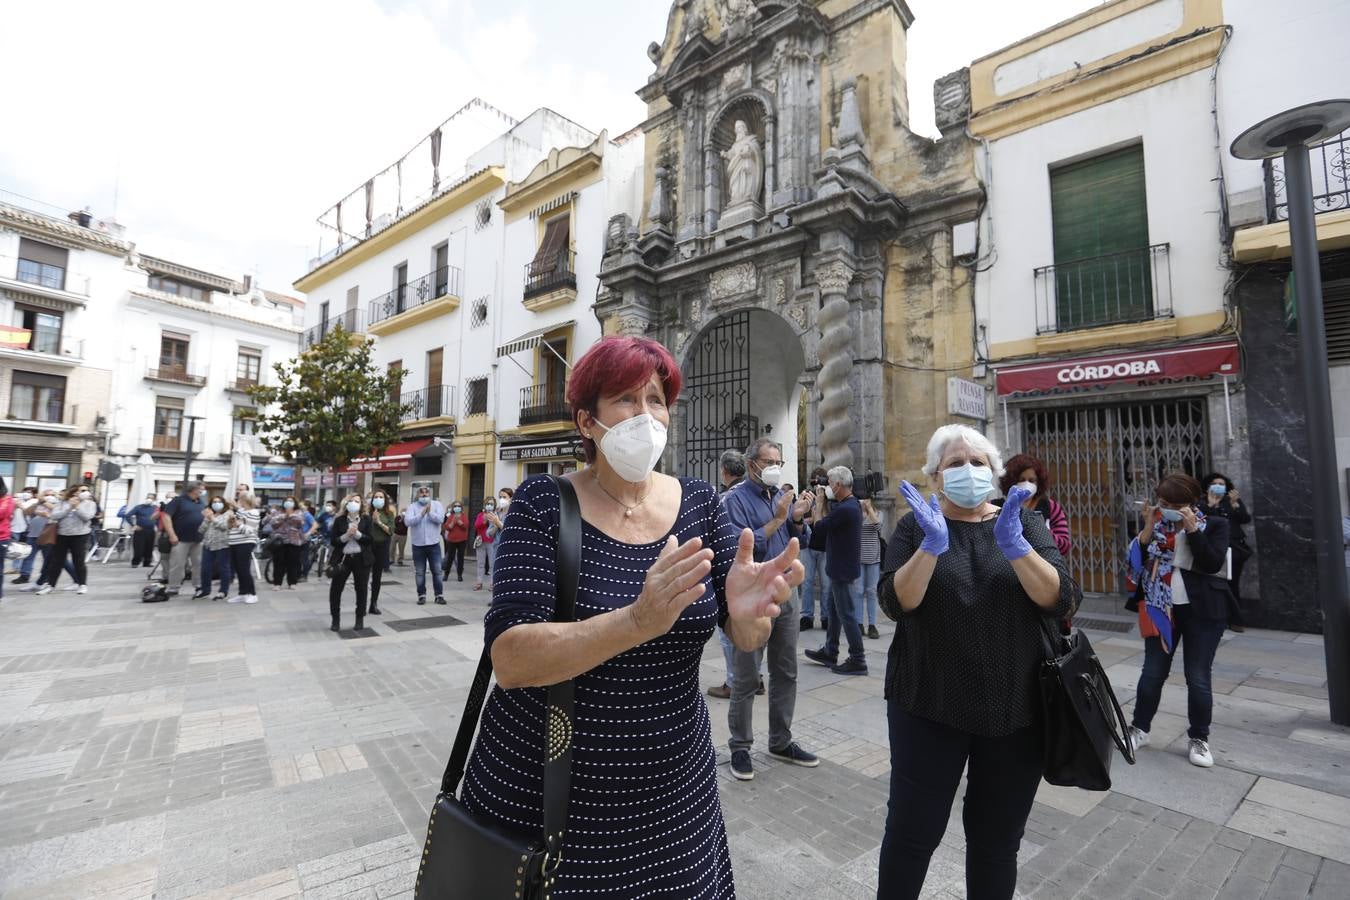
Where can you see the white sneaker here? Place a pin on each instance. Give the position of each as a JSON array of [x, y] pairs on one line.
[[237, 598], [71, 588], [251, 599], [45, 589], [1139, 739], [29, 588], [82, 589], [1200, 755]]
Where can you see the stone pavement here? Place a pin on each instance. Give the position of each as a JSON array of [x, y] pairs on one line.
[[200, 749]]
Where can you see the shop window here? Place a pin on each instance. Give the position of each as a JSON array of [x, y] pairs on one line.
[[428, 465]]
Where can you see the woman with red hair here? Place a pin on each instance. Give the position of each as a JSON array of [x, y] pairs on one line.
[[1027, 470], [661, 567]]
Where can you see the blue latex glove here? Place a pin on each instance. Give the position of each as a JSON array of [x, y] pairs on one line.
[[930, 519], [1008, 528]]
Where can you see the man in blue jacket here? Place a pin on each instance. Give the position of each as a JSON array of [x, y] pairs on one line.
[[424, 518], [144, 519], [775, 517], [843, 570]]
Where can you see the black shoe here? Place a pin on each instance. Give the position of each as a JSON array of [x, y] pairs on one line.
[[759, 691], [440, 600], [795, 755], [850, 667], [741, 766], [872, 632], [808, 623], [461, 578], [334, 626], [374, 610], [821, 657], [19, 580], [824, 624], [421, 601], [360, 624], [201, 595]]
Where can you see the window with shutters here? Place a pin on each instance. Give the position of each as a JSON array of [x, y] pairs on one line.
[[173, 354], [43, 325], [1104, 270], [168, 423], [248, 367], [1336, 312], [245, 420], [37, 397], [42, 264], [552, 267], [179, 288]]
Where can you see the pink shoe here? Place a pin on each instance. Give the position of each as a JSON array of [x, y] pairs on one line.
[[478, 586]]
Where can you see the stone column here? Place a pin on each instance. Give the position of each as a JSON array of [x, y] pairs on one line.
[[712, 188], [692, 168], [836, 365]]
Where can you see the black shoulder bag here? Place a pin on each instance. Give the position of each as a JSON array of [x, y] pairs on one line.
[[473, 858], [1082, 717]]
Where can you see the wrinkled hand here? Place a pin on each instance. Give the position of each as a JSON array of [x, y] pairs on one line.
[[1008, 529], [673, 582], [757, 590], [803, 506], [1189, 520], [783, 505], [930, 519]]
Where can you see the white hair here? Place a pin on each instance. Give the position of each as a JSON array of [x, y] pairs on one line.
[[947, 435], [840, 475]]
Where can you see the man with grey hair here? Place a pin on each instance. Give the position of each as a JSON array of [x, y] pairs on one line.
[[775, 518], [182, 521], [843, 570]]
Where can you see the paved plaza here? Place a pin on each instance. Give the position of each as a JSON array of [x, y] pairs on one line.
[[202, 749]]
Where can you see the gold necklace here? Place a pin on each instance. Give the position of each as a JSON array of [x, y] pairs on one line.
[[627, 510]]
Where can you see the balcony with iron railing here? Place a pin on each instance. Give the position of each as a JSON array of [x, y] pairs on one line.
[[43, 277], [351, 321], [242, 385], [433, 402], [47, 346], [1330, 170], [432, 294], [540, 403], [174, 374], [550, 281], [1114, 289]]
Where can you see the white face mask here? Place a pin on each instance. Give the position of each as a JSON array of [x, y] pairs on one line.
[[84, 495], [503, 502], [634, 446], [829, 493], [771, 476], [217, 507], [353, 506]]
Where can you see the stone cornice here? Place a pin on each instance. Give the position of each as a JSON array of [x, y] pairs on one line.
[[557, 169], [143, 298], [61, 233]]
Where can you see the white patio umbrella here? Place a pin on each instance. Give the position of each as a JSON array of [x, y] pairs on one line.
[[142, 481], [241, 464]]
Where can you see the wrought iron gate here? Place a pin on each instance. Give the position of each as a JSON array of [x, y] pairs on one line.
[[1102, 460], [718, 411]]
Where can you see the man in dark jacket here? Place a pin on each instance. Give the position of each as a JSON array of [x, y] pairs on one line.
[[144, 519], [843, 570]]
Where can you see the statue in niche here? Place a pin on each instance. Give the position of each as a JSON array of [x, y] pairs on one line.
[[745, 167]]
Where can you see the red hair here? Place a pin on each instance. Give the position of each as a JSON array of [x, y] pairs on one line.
[[615, 364], [1012, 474]]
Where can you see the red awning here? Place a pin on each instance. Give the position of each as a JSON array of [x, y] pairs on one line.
[[1199, 361], [394, 459]]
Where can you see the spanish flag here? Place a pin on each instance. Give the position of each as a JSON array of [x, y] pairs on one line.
[[11, 336]]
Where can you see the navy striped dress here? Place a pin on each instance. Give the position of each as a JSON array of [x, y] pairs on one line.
[[644, 819]]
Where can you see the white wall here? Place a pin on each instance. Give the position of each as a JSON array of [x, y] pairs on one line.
[[1280, 56], [1340, 415], [1180, 160]]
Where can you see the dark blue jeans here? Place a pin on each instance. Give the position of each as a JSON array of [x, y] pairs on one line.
[[216, 565], [1198, 640], [429, 555], [842, 605], [926, 764]]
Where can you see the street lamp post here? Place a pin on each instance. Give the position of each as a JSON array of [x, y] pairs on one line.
[[188, 456], [1289, 134]]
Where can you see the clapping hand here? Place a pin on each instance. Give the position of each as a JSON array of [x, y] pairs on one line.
[[758, 590], [930, 519], [1008, 529]]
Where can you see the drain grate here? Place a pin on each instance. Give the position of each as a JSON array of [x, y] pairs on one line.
[[357, 635], [1101, 624], [426, 622]]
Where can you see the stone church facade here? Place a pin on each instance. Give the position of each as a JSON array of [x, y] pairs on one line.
[[795, 251]]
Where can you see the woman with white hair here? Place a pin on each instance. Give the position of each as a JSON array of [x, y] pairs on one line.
[[970, 587]]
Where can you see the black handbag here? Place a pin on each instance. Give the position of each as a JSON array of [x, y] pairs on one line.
[[473, 858], [1082, 717]]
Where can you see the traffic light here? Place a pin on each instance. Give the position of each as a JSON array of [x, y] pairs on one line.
[[88, 477]]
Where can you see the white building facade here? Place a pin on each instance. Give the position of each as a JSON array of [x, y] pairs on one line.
[[480, 292], [109, 353], [1100, 279]]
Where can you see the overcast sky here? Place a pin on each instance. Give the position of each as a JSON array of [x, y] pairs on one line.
[[222, 131]]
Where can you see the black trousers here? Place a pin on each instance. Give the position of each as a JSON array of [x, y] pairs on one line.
[[360, 575], [143, 547], [77, 545], [286, 561], [241, 555], [454, 553], [926, 764], [381, 549]]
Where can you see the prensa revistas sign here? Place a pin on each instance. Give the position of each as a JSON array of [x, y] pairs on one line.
[[1200, 361]]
